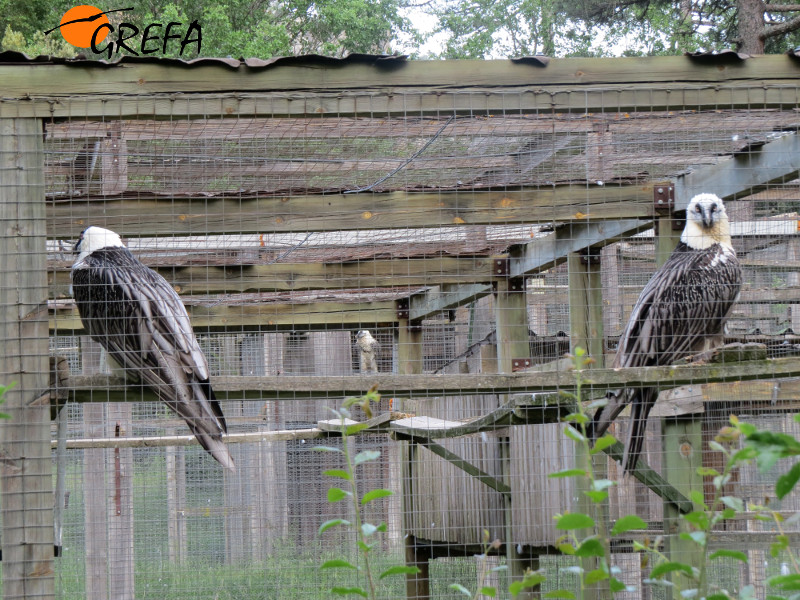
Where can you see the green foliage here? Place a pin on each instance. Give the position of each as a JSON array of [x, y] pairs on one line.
[[3, 390], [364, 532], [37, 44], [586, 535], [236, 28]]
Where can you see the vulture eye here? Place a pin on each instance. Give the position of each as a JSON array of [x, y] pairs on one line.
[[713, 207], [697, 209]]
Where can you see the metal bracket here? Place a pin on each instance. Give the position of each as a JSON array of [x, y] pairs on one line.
[[520, 364], [589, 256], [516, 284], [403, 308], [664, 199], [501, 267]]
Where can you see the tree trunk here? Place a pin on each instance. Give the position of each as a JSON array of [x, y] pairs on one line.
[[751, 26]]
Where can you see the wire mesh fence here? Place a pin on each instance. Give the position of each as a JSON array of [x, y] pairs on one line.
[[476, 244]]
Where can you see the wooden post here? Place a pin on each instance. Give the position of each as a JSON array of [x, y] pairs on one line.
[[513, 346], [176, 502], [666, 239], [120, 559], [682, 443], [586, 331], [26, 475], [108, 509], [409, 362], [586, 304]]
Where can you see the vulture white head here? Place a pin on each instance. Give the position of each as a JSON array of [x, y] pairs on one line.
[[94, 238], [706, 223]]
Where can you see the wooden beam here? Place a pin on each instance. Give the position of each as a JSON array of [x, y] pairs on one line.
[[287, 276], [26, 472], [65, 320], [133, 90], [108, 389], [144, 216], [539, 255], [743, 174]]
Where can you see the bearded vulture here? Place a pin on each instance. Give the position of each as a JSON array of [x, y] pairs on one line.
[[133, 312], [681, 311], [367, 345]]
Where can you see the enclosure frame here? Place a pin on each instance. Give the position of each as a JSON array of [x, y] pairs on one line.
[[37, 93]]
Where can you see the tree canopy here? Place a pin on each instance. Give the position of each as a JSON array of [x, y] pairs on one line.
[[237, 28]]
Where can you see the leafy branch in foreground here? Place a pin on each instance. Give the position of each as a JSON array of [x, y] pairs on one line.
[[769, 447], [596, 545], [366, 533]]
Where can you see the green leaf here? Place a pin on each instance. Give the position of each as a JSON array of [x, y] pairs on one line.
[[628, 523], [460, 588], [576, 418], [574, 521], [718, 597], [789, 582], [327, 449], [565, 594], [374, 495], [568, 473], [735, 554], [602, 484], [743, 455], [530, 580], [332, 523], [399, 570], [616, 585], [697, 497], [336, 494], [717, 447], [733, 503], [488, 590], [566, 548], [355, 428], [337, 563], [780, 543], [604, 442], [595, 576], [707, 472], [599, 403], [345, 591], [596, 497], [697, 518], [787, 481], [574, 434], [340, 473], [366, 456], [590, 547], [670, 567]]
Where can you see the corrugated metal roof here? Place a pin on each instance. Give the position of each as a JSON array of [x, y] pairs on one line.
[[11, 57]]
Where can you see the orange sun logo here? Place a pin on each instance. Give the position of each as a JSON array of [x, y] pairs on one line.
[[79, 24]]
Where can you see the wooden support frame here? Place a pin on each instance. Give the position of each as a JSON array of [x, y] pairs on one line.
[[26, 477], [102, 388], [159, 216], [743, 174], [161, 90], [538, 255]]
